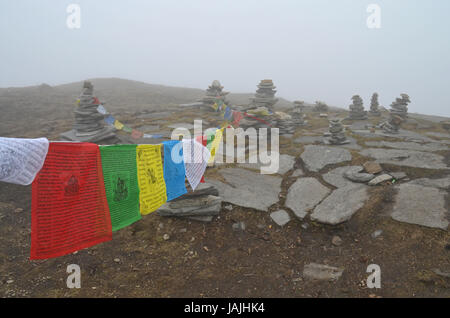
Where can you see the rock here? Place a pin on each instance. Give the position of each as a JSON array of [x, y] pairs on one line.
[[398, 175], [441, 273], [340, 205], [117, 260], [336, 178], [380, 179], [407, 145], [248, 189], [285, 163], [409, 158], [197, 206], [372, 167], [336, 241], [443, 183], [304, 195], [376, 233], [280, 217], [18, 210], [308, 139], [322, 272], [166, 237], [317, 157], [181, 125], [357, 176], [203, 189], [239, 226], [420, 205], [228, 207]]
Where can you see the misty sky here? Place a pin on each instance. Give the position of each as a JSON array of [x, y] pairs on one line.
[[313, 50]]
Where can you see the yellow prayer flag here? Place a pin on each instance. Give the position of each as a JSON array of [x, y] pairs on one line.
[[215, 106], [118, 125], [151, 182], [215, 144]]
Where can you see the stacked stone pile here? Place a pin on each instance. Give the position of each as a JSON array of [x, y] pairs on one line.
[[337, 133], [214, 93], [89, 123], [374, 105], [357, 111], [297, 113], [400, 106], [265, 95]]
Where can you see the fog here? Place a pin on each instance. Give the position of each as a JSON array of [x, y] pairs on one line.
[[313, 50]]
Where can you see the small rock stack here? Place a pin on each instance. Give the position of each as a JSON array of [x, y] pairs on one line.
[[89, 123], [337, 133], [400, 106], [213, 93], [297, 113], [320, 107], [374, 105], [357, 111], [265, 95], [201, 205], [393, 125]]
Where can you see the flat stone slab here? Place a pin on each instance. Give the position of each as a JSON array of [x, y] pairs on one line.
[[248, 189], [285, 163], [317, 157], [407, 145], [197, 206], [379, 179], [438, 135], [322, 272], [308, 139], [421, 205], [340, 205], [443, 183], [402, 134], [336, 177], [280, 217], [304, 195], [409, 158]]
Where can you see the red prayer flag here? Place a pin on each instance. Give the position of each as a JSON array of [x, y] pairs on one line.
[[69, 210], [136, 134]]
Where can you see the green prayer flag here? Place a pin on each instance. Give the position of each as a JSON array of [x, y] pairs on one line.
[[121, 184]]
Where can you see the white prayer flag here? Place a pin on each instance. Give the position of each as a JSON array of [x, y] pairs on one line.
[[196, 157], [21, 159]]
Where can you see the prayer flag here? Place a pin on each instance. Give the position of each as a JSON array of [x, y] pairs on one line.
[[69, 210], [127, 129], [121, 185], [152, 187], [196, 157], [21, 159], [174, 170], [110, 120], [101, 109], [136, 134], [215, 144], [118, 125]]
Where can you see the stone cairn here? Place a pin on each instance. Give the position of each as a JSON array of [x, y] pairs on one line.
[[400, 106], [374, 105], [398, 114], [320, 107], [357, 109], [265, 95], [337, 133], [89, 123], [297, 113], [214, 93]]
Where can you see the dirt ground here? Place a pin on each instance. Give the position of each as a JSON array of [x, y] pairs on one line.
[[213, 260]]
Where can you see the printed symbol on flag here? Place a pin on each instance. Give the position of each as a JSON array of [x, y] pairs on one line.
[[151, 176], [120, 187], [72, 186]]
